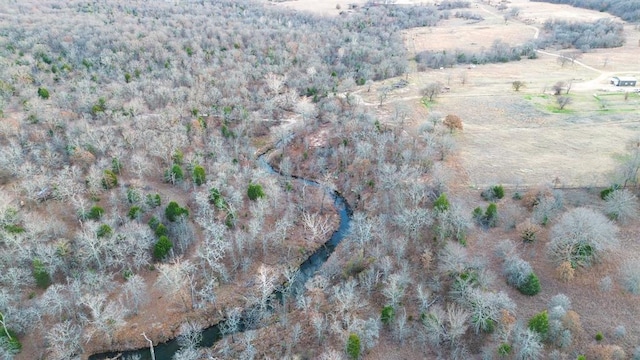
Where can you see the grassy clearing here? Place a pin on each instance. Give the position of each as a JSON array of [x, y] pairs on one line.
[[609, 103], [554, 109], [618, 102], [428, 104]]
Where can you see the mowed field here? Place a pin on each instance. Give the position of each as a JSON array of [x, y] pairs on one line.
[[520, 138]]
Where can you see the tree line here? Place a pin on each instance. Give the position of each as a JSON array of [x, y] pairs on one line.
[[603, 33]]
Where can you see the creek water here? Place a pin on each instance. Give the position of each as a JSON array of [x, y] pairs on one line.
[[210, 335]]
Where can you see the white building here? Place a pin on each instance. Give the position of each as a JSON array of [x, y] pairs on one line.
[[623, 81]]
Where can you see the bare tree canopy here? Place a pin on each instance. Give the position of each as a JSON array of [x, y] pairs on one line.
[[581, 237]]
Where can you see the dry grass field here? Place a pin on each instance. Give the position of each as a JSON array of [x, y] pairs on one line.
[[331, 7], [521, 137], [466, 34]]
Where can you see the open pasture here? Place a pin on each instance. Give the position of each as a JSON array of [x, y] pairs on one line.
[[523, 137]]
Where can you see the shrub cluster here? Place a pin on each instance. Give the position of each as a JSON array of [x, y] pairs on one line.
[[488, 218], [43, 93], [621, 205], [528, 231], [199, 175], [109, 179], [563, 321], [104, 231], [173, 211], [95, 213], [453, 122], [453, 4], [540, 324], [254, 192], [153, 201], [135, 213], [353, 346], [499, 52], [40, 274], [604, 33], [441, 204], [387, 314], [9, 340], [162, 247], [495, 192], [520, 275], [174, 174]]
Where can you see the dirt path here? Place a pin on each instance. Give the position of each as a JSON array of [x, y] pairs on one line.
[[572, 61]]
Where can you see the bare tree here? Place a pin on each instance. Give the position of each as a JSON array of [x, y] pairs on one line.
[[394, 290], [92, 249], [486, 308], [517, 85], [630, 275], [214, 247], [445, 327], [153, 355], [346, 297], [266, 284], [413, 222], [135, 293], [55, 301], [64, 339], [574, 55], [231, 324], [581, 236], [401, 328], [431, 91], [453, 259], [275, 82], [190, 334], [177, 280], [105, 316], [558, 87], [562, 60], [249, 351], [318, 323], [528, 345], [317, 226], [383, 92], [424, 297], [362, 228], [563, 101], [621, 205], [628, 170]]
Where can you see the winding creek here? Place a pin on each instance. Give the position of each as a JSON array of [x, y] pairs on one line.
[[307, 270]]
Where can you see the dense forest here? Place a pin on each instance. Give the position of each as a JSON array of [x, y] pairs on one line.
[[128, 149], [134, 207]]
